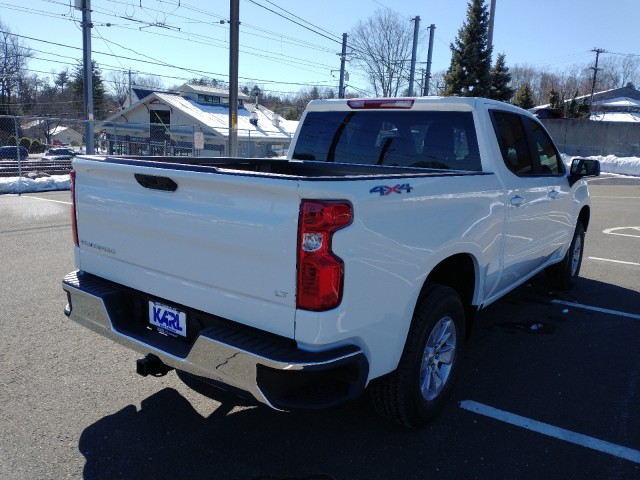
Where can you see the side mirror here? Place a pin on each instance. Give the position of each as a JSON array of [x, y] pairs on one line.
[[583, 167]]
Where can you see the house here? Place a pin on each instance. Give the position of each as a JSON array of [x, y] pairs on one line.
[[615, 105], [62, 135], [52, 131], [619, 109], [167, 123]]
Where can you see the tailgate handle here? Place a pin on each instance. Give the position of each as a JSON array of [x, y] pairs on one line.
[[155, 182]]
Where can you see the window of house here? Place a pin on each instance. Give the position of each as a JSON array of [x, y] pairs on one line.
[[208, 98]]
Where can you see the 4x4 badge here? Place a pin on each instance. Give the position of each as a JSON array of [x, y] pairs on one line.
[[386, 189]]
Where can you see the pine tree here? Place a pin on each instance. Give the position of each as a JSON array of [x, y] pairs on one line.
[[500, 79], [100, 104], [469, 74], [573, 106], [524, 97]]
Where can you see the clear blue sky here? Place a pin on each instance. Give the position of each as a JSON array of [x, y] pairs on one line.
[[283, 56]]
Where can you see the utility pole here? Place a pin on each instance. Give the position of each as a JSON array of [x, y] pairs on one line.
[[492, 14], [595, 69], [87, 86], [234, 44], [130, 99], [343, 56], [427, 79], [416, 30]]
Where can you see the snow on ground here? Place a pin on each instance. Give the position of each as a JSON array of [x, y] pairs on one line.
[[609, 164], [41, 184]]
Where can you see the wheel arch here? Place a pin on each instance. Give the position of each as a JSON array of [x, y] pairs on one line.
[[584, 216], [458, 272]]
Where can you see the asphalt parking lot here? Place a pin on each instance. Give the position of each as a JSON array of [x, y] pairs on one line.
[[549, 388]]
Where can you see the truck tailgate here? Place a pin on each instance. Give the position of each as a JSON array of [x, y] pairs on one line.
[[222, 243]]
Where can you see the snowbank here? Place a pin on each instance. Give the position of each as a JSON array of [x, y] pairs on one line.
[[41, 184], [621, 166]]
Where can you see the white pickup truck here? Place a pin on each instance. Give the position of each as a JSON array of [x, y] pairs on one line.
[[357, 262]]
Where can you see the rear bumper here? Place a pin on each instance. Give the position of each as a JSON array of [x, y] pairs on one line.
[[268, 367]]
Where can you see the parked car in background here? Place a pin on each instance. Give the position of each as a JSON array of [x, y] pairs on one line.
[[9, 153], [59, 154], [547, 112]]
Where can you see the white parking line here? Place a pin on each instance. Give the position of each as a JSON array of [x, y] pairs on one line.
[[597, 309], [47, 199], [551, 431], [614, 261]]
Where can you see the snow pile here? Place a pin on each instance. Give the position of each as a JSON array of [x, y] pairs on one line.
[[41, 184], [619, 165], [611, 164]]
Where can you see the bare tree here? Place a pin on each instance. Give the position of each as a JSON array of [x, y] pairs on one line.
[[629, 69], [381, 46], [118, 86], [13, 60]]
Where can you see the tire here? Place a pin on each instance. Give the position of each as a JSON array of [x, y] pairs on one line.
[[417, 390], [564, 274]]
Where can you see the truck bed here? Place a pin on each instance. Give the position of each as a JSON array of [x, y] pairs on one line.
[[286, 168]]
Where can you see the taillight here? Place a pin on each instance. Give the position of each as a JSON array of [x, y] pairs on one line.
[[320, 271], [74, 221]]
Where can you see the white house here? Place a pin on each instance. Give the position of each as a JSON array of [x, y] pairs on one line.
[[65, 135], [51, 129], [166, 123]]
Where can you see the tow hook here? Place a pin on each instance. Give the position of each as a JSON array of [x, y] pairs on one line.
[[152, 365]]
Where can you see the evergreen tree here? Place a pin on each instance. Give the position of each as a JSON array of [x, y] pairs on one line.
[[469, 74], [100, 103], [554, 99], [524, 97], [584, 109], [500, 80], [573, 106]]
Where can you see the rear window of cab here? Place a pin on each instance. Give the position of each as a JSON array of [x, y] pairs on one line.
[[420, 139]]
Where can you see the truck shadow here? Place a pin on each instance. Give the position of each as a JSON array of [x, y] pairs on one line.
[[168, 438]]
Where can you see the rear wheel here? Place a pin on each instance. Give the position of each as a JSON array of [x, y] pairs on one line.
[[418, 389], [563, 275]]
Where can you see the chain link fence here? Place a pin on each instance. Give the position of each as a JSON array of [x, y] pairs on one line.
[[27, 143]]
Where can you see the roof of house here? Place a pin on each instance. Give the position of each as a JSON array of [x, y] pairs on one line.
[[217, 117], [605, 96], [268, 125], [204, 89]]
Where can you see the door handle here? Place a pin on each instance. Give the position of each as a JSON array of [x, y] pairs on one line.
[[517, 201]]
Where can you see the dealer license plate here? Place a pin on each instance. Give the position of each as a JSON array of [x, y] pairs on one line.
[[167, 320]]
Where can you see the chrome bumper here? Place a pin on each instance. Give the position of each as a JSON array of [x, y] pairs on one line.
[[268, 367]]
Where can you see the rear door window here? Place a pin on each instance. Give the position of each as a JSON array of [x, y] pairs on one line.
[[525, 146], [512, 140], [548, 159]]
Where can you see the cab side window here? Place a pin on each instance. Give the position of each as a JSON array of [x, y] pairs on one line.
[[512, 139], [549, 160], [526, 147]]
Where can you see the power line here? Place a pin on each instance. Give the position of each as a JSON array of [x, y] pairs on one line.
[[336, 40], [302, 19]]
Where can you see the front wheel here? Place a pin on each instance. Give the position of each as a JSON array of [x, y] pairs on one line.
[[564, 274], [418, 389]]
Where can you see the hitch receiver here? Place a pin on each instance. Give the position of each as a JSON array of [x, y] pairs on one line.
[[152, 365]]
